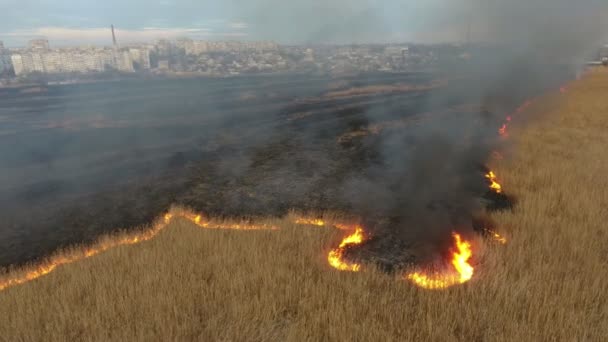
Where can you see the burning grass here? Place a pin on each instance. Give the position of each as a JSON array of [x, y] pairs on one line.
[[547, 283]]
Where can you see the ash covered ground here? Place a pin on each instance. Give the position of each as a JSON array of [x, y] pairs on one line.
[[399, 150]]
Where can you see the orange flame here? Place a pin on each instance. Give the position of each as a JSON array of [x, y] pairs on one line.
[[494, 185], [460, 263], [335, 256], [496, 237], [314, 221], [203, 222], [503, 130], [310, 221], [50, 265]]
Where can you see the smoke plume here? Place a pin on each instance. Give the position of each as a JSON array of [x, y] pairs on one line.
[[425, 181]]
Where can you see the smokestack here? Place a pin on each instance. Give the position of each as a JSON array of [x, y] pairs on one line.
[[113, 37]]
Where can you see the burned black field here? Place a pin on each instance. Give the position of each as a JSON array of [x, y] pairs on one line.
[[404, 151]]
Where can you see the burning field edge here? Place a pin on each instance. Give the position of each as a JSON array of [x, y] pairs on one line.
[[459, 269], [454, 270]]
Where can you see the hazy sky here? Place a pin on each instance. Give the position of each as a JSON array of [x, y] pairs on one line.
[[67, 22], [85, 21]]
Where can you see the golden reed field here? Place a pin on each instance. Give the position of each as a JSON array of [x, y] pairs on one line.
[[548, 283]]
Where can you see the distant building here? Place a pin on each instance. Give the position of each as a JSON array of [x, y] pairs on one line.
[[27, 63], [140, 57], [18, 64], [39, 44], [199, 47], [123, 61], [5, 60], [6, 64], [163, 47], [182, 43], [82, 60], [309, 55], [163, 64]]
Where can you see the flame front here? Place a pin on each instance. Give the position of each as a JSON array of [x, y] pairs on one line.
[[336, 256], [496, 237], [50, 265], [203, 222], [314, 221], [310, 221], [461, 273], [503, 129], [494, 185]]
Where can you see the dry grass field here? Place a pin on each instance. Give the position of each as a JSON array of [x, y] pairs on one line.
[[549, 283]]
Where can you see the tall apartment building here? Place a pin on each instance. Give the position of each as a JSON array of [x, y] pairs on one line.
[[74, 60], [5, 59], [163, 47], [27, 63], [17, 61], [5, 63], [123, 61], [39, 44], [140, 56]]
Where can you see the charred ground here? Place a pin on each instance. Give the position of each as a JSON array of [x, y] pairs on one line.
[[373, 146]]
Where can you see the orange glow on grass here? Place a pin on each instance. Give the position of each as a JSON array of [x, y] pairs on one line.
[[132, 239], [461, 273], [336, 255], [503, 130], [496, 237], [494, 185], [310, 221]]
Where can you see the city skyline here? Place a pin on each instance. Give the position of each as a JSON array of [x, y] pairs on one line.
[[205, 58]]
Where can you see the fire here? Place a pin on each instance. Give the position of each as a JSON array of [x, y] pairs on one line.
[[313, 221], [496, 237], [310, 221], [335, 256], [461, 252], [503, 130], [499, 238], [203, 222], [461, 273], [54, 262], [494, 185]]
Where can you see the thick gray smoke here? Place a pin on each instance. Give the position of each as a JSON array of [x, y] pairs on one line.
[[538, 45], [428, 182]]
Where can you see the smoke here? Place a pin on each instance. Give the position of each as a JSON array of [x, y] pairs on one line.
[[427, 181], [433, 187], [545, 26], [409, 184]]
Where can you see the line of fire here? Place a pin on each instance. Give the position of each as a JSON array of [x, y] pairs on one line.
[[455, 266]]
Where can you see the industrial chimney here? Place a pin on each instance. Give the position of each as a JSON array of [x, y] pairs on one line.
[[114, 37]]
